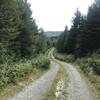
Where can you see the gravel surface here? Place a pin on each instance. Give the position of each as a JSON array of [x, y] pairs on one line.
[[77, 88], [38, 89]]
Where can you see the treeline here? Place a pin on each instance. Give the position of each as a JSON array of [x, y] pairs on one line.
[[22, 45], [84, 36], [81, 45], [19, 34]]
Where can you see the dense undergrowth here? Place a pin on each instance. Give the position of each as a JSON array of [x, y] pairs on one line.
[[90, 66], [11, 72]]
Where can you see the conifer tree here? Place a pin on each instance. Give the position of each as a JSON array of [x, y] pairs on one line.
[[9, 24], [61, 45], [73, 34]]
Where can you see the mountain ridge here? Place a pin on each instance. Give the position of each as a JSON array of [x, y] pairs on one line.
[[53, 33]]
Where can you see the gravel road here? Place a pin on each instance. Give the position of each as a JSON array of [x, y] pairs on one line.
[[77, 87], [38, 89]]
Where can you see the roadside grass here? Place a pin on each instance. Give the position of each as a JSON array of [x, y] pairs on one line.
[[17, 75], [64, 57], [12, 89], [85, 67], [95, 85], [53, 92], [92, 79]]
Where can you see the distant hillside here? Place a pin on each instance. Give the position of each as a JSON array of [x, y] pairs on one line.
[[53, 33]]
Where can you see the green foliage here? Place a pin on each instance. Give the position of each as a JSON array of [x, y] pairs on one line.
[[90, 64], [21, 42], [86, 65], [61, 44], [64, 57], [10, 73], [83, 39], [41, 61], [85, 30], [18, 30], [9, 23]]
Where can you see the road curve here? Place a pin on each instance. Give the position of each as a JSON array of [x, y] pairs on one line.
[[77, 88], [37, 90]]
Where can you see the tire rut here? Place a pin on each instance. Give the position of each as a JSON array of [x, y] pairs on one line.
[[37, 89], [77, 87]]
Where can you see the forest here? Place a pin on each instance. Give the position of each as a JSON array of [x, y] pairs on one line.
[[28, 53], [22, 44], [84, 30], [81, 44], [83, 39]]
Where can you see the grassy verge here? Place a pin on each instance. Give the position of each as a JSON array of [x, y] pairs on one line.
[[85, 67], [92, 79], [93, 82], [61, 78], [17, 75], [12, 89], [64, 57]]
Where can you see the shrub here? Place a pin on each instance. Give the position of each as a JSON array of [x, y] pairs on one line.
[[41, 61], [97, 67], [12, 72], [64, 57], [89, 65]]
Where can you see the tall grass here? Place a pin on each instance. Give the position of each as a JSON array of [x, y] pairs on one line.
[[64, 57], [41, 61], [90, 64]]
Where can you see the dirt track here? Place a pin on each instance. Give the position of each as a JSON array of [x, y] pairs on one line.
[[37, 90], [77, 87]]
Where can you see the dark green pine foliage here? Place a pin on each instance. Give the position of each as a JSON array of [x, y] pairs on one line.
[[9, 23], [72, 43], [19, 34], [42, 41], [61, 44], [9, 30], [93, 27], [27, 29], [84, 35], [89, 37], [82, 38]]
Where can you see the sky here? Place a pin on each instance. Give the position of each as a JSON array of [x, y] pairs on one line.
[[54, 15]]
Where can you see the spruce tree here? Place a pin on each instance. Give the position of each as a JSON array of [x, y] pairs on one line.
[[73, 33], [28, 29], [9, 24], [61, 44]]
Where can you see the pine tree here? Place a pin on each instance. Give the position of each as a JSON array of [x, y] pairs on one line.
[[28, 29], [73, 34], [93, 26], [82, 38], [61, 44], [90, 34], [9, 23]]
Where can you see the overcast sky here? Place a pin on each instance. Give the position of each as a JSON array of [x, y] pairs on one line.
[[53, 15]]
